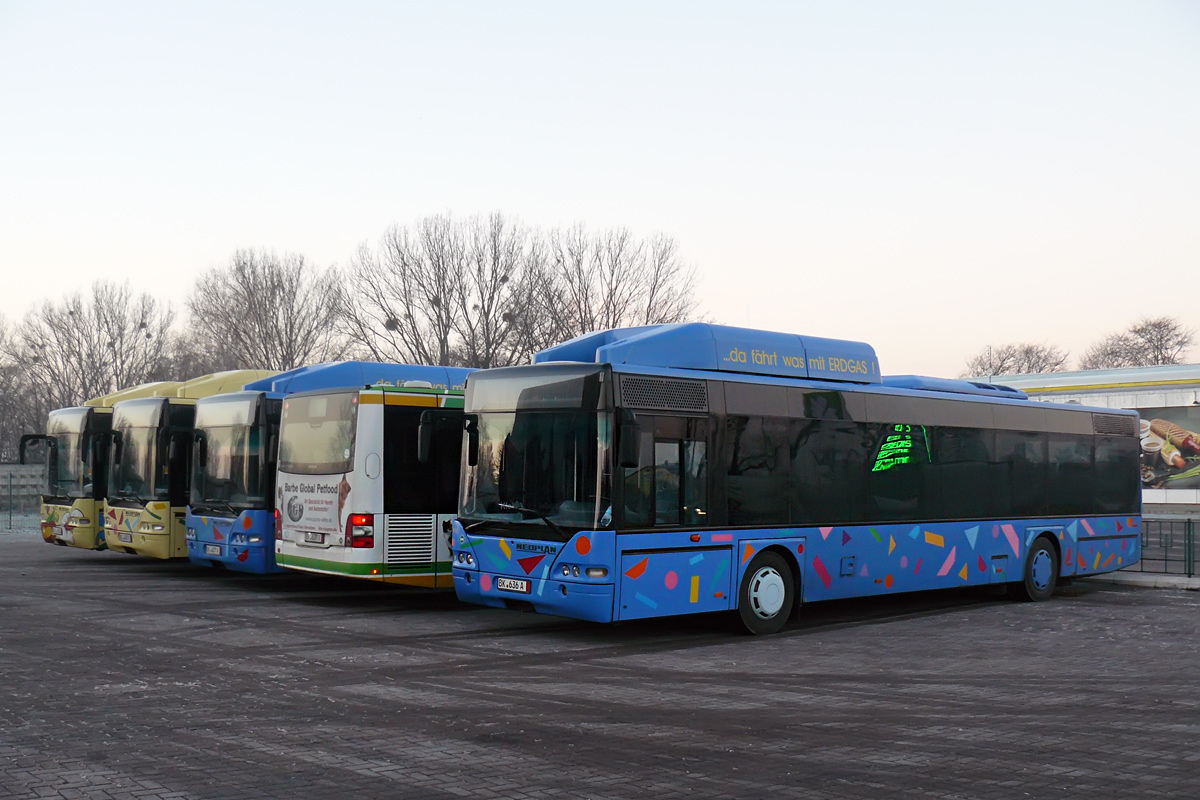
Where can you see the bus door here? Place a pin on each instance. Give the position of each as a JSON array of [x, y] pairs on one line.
[[669, 564]]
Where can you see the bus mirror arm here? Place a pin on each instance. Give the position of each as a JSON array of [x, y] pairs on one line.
[[424, 437], [627, 442], [472, 427], [201, 444]]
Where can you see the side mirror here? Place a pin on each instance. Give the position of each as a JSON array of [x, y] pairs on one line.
[[424, 437], [628, 436], [32, 437], [85, 448], [273, 446], [116, 447], [472, 427]]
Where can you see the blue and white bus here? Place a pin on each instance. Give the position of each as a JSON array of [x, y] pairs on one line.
[[231, 518], [690, 468]]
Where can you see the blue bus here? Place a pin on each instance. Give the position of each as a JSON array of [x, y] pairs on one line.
[[231, 519], [679, 469]]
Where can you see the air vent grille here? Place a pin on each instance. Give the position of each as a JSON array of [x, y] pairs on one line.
[[1113, 425], [664, 393], [409, 538]]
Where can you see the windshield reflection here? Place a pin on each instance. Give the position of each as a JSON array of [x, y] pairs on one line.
[[71, 478], [138, 475], [232, 472], [540, 470]]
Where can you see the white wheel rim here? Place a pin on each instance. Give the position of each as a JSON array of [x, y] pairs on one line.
[[767, 592]]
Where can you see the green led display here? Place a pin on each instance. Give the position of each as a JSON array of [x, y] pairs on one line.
[[903, 444]]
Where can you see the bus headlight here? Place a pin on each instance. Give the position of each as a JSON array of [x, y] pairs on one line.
[[597, 572]]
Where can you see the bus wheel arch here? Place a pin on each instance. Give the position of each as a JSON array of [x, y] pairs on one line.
[[1042, 569], [767, 593]]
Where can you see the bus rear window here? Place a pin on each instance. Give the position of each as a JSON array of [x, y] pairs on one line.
[[316, 436]]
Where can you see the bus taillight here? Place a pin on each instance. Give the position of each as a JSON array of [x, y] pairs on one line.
[[278, 525], [360, 530]]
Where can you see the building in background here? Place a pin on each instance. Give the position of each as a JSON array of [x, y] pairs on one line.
[[1168, 400]]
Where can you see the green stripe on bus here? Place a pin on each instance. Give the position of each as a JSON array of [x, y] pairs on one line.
[[344, 568], [339, 567]]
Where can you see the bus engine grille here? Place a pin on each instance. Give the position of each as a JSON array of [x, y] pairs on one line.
[[664, 394], [409, 538]]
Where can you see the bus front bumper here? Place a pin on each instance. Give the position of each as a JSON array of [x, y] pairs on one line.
[[151, 545], [256, 557], [575, 599]]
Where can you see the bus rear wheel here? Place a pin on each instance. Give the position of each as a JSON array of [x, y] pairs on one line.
[[1041, 571], [767, 594]]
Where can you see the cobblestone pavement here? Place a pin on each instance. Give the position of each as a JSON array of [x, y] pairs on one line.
[[128, 678]]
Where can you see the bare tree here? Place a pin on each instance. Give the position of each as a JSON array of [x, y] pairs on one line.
[[1161, 340], [1114, 351], [613, 279], [1150, 341], [70, 351], [264, 311], [1016, 359], [403, 304], [18, 413], [503, 258], [487, 292]]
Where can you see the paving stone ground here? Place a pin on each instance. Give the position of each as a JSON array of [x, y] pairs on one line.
[[128, 678]]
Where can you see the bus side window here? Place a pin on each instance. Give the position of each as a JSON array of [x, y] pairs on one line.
[[666, 483]]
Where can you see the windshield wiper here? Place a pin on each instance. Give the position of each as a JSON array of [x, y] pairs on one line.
[[523, 510]]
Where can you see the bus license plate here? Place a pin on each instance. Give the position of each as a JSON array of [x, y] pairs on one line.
[[125, 537], [314, 538], [513, 585], [212, 549]]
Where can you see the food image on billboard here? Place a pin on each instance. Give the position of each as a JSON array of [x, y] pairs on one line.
[[1170, 448]]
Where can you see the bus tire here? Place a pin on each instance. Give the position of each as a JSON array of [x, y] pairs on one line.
[[1041, 571], [767, 594]]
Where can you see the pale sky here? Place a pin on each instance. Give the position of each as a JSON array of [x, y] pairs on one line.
[[928, 177]]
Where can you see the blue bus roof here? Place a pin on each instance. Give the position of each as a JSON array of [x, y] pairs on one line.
[[705, 346], [337, 374], [954, 386]]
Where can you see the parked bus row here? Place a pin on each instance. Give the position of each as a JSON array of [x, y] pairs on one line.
[[625, 474]]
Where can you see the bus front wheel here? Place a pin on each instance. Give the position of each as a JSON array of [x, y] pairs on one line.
[[1041, 571], [767, 594]]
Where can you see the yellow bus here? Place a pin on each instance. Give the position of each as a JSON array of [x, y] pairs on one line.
[[76, 456], [149, 471]]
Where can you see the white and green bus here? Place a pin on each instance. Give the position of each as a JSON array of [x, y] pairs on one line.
[[367, 480]]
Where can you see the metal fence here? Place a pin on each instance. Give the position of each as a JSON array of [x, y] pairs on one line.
[[21, 487], [1168, 546]]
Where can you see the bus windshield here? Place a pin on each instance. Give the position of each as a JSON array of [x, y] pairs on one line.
[[542, 472], [138, 475], [72, 477], [231, 475], [316, 436]]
